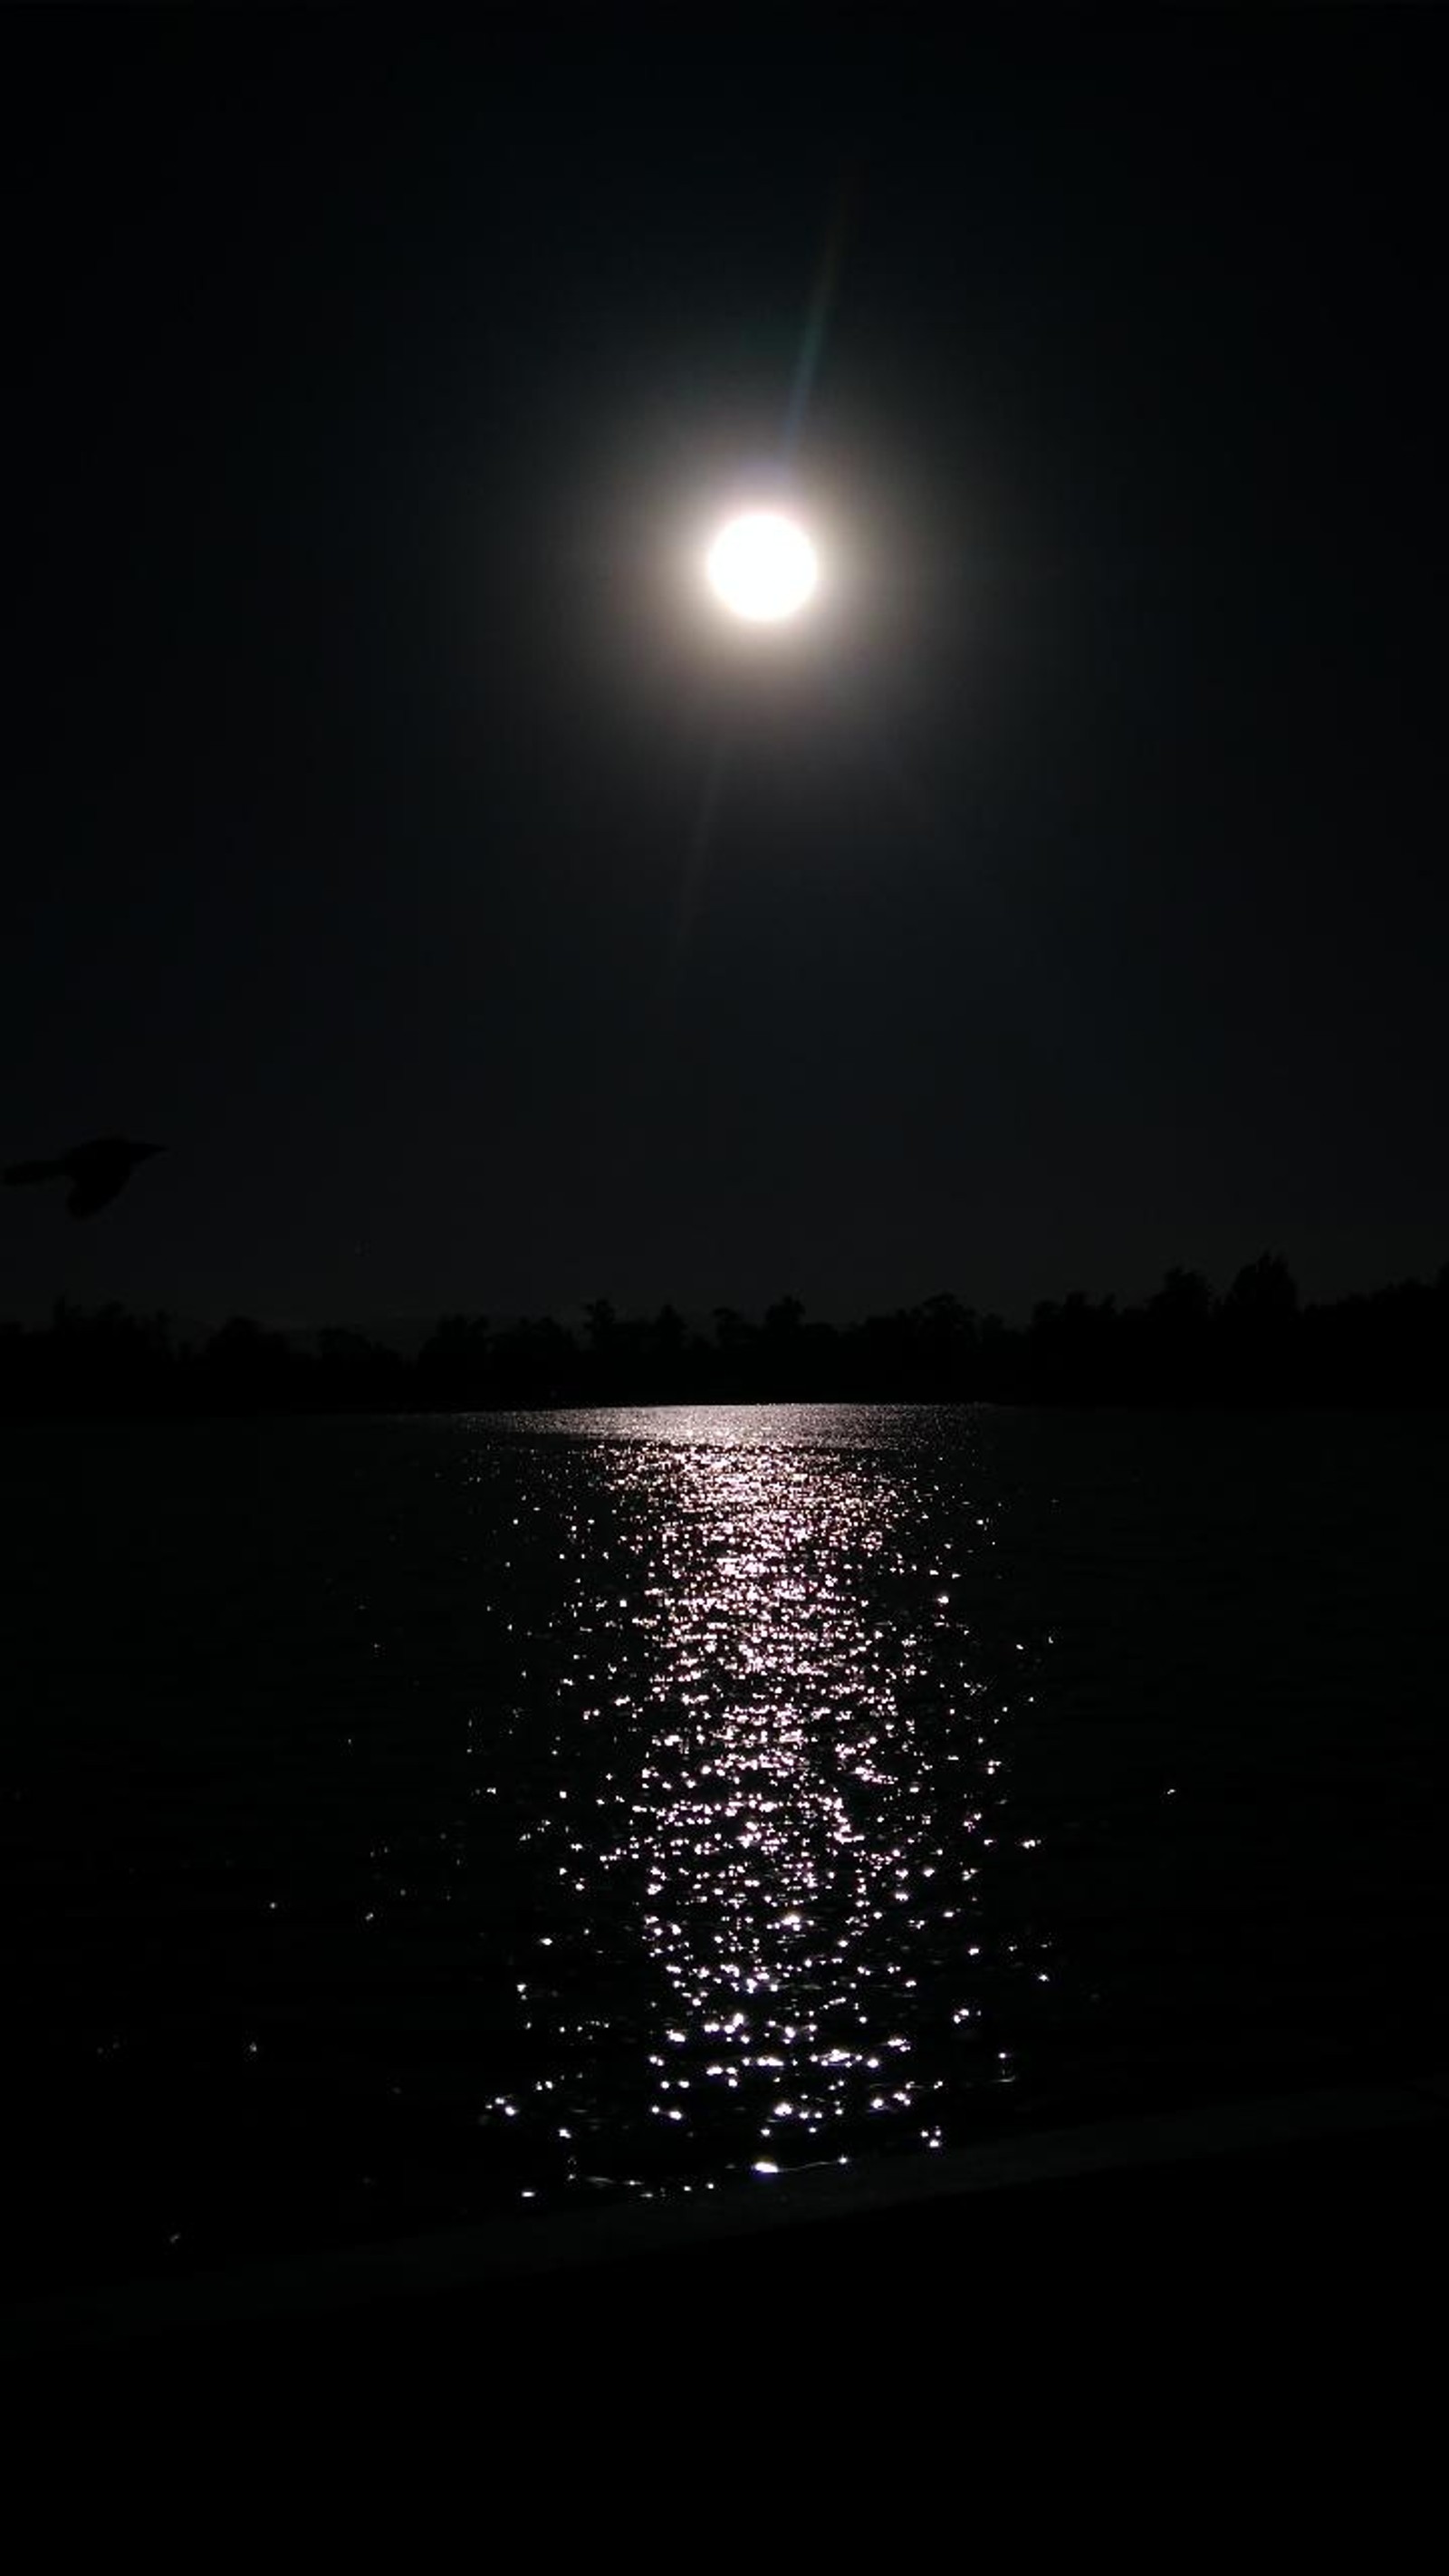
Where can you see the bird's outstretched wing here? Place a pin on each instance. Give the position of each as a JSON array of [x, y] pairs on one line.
[[97, 1171]]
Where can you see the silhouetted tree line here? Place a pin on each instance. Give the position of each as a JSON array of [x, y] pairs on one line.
[[1257, 1344]]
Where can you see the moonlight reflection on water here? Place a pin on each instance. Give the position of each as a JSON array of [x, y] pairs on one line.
[[814, 1791], [433, 1814]]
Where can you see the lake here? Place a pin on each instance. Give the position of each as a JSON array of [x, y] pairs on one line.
[[407, 1819]]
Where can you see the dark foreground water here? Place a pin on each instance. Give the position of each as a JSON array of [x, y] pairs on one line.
[[404, 1819]]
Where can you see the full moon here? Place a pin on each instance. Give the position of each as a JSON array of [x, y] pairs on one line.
[[762, 566]]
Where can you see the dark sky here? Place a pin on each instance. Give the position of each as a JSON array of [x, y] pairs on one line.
[[390, 828]]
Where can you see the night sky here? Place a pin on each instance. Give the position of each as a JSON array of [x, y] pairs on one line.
[[394, 831]]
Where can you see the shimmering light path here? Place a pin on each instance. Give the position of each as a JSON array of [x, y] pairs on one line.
[[443, 1816], [806, 1805]]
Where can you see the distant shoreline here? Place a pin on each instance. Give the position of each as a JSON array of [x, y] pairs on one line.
[[1255, 1345]]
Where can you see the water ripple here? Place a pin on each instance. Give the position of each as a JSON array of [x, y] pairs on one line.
[[808, 1793]]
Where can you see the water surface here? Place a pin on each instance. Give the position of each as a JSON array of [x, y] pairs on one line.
[[404, 1819]]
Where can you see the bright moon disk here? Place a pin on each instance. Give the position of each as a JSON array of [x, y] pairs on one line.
[[763, 567]]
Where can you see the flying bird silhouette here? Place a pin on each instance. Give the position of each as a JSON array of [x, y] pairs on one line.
[[97, 1171]]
